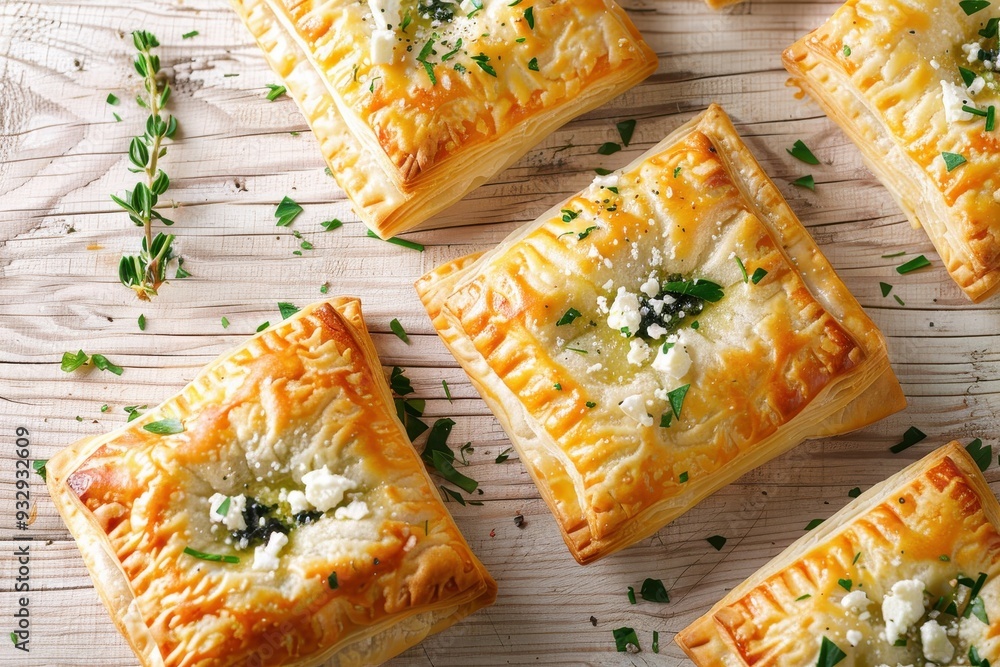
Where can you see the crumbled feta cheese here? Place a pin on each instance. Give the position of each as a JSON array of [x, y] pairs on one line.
[[656, 332], [298, 502], [954, 99], [608, 285], [937, 647], [651, 287], [324, 489], [233, 518], [977, 85], [855, 601], [625, 312], [381, 49], [902, 607], [674, 363], [265, 557], [355, 510], [854, 637], [638, 351], [594, 368], [385, 13], [635, 407], [971, 51]]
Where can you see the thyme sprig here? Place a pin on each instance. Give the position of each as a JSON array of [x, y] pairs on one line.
[[145, 272]]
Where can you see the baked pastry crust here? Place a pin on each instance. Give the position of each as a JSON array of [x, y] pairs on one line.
[[773, 362], [304, 394], [405, 140], [719, 4], [887, 72], [932, 522]]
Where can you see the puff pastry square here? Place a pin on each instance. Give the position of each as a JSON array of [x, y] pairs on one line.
[[907, 574], [416, 102], [293, 467], [566, 328], [890, 73]]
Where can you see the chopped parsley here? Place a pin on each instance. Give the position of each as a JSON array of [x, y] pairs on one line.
[[912, 436], [803, 597], [164, 427], [886, 288], [533, 64], [568, 317], [813, 524], [743, 268], [215, 558], [112, 99], [631, 595], [330, 225], [624, 638], [504, 455], [529, 17], [806, 181], [569, 215], [953, 160], [982, 455], [847, 51], [408, 410], [483, 61], [854, 493], [626, 129], [913, 265], [189, 35], [653, 591], [400, 332], [656, 641], [676, 398], [829, 654], [263, 325], [447, 392], [71, 362], [683, 478], [286, 212], [287, 309], [332, 582], [438, 454], [758, 275], [141, 322], [39, 467], [846, 584], [801, 152], [412, 245], [970, 7], [717, 541], [609, 148], [276, 91]]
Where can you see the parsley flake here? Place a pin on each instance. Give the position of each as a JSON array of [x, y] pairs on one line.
[[286, 212], [400, 332], [164, 427], [717, 541], [801, 152], [829, 654], [912, 436], [276, 91], [568, 317], [953, 160], [912, 265]]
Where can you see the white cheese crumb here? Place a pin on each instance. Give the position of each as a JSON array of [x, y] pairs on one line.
[[594, 368], [381, 49], [355, 510], [971, 51], [324, 489], [384, 13], [937, 647], [625, 312], [855, 601], [854, 637], [638, 352], [298, 501], [954, 99], [651, 287], [233, 518], [608, 285], [902, 607], [607, 181], [655, 331], [674, 363], [266, 557], [635, 407], [977, 85]]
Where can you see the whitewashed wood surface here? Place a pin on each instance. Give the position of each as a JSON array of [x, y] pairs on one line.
[[237, 155]]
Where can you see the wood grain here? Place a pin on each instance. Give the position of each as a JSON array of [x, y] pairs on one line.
[[237, 155]]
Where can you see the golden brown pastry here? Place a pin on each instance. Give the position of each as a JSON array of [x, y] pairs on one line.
[[656, 336], [719, 4], [272, 513], [415, 103], [907, 574], [914, 85]]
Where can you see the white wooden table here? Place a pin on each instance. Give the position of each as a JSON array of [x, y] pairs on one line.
[[237, 155]]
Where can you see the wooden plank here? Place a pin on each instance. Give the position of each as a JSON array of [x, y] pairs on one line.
[[237, 155]]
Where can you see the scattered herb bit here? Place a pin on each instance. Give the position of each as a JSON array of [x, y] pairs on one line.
[[287, 211], [215, 558], [846, 584], [558, 386], [529, 17], [569, 215], [975, 660], [447, 392], [855, 492], [900, 642], [451, 493], [847, 51], [895, 254], [533, 64], [626, 640], [504, 455], [164, 427], [112, 99], [676, 398], [912, 436], [683, 478], [758, 275], [142, 322], [330, 225], [703, 289], [71, 362], [803, 597], [223, 508], [626, 129], [978, 609], [332, 581], [276, 91], [286, 309], [400, 332], [665, 419], [591, 405], [145, 272], [181, 271], [968, 76], [898, 300], [953, 160], [631, 595], [412, 245], [991, 118], [609, 148], [105, 407], [189, 35], [982, 455], [483, 61], [466, 450], [970, 7], [439, 455], [944, 558], [857, 557], [912, 265], [324, 288], [677, 171], [806, 181], [117, 118], [813, 524], [743, 269], [600, 171], [39, 466], [829, 654], [717, 541], [409, 410], [568, 317], [653, 591], [133, 411], [101, 363], [886, 288], [585, 233], [801, 152], [656, 641]]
